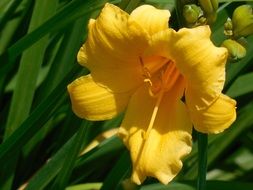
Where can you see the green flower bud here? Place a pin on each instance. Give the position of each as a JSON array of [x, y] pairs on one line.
[[209, 7], [242, 20], [228, 24], [236, 51], [191, 13], [228, 27]]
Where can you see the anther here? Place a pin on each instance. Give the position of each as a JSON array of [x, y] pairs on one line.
[[147, 80]]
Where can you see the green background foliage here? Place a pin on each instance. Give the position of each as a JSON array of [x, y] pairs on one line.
[[41, 139]]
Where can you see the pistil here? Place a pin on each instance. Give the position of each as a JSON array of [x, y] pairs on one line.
[[154, 114]]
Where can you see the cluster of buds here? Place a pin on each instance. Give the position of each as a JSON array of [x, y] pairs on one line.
[[199, 12], [236, 29]]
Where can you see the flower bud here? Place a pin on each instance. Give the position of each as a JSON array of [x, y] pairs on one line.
[[242, 20], [191, 13], [209, 7], [236, 51], [228, 27]]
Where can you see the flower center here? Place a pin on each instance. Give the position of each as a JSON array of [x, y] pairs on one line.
[[158, 84]]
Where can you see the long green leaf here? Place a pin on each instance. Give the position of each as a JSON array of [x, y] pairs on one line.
[[29, 68], [211, 185], [27, 77], [68, 165], [242, 85], [52, 168], [8, 11], [65, 16], [89, 186], [118, 173], [36, 120], [62, 63], [91, 161], [65, 57]]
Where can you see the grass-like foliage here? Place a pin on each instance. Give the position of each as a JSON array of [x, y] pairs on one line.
[[42, 143]]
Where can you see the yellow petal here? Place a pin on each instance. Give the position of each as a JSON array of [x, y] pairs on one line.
[[151, 19], [93, 102], [113, 48], [160, 154], [217, 117], [201, 63]]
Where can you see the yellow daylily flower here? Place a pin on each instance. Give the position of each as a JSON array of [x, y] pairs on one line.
[[139, 64]]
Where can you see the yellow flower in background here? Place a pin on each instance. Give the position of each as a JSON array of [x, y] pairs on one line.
[[139, 65]]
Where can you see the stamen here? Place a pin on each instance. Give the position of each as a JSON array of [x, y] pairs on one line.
[[152, 89]]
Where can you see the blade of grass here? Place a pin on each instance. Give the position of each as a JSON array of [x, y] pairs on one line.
[[45, 175], [10, 28], [235, 185], [75, 9], [241, 86], [65, 57], [10, 149], [211, 185], [91, 161], [8, 11], [87, 186], [36, 120], [62, 63], [171, 186], [26, 81], [41, 179], [29, 68], [118, 172], [64, 174], [9, 33], [33, 157]]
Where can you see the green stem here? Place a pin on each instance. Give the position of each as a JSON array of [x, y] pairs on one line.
[[202, 163]]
